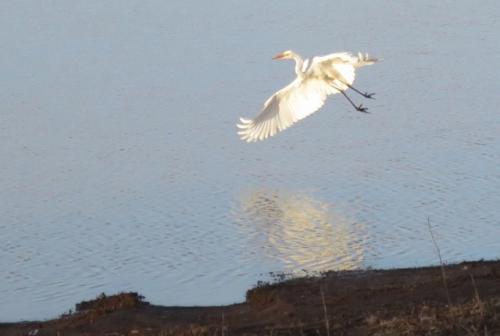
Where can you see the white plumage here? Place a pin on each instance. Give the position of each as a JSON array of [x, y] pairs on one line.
[[316, 80]]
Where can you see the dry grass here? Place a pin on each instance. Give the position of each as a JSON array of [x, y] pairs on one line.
[[438, 251], [458, 313]]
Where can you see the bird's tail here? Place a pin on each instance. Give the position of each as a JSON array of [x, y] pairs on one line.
[[364, 59]]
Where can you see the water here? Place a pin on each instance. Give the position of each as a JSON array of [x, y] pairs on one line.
[[121, 168]]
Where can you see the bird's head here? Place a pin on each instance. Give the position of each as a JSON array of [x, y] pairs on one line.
[[288, 54]]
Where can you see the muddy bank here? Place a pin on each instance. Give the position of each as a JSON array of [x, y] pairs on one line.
[[373, 302]]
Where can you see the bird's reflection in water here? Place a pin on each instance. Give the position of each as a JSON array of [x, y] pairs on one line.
[[301, 232]]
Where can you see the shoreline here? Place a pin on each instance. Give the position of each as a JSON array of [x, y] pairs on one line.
[[410, 301]]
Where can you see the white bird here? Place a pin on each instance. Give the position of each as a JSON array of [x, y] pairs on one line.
[[316, 79]]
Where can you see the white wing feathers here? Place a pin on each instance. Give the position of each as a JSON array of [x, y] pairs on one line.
[[325, 75], [364, 59], [345, 57], [294, 102], [340, 67]]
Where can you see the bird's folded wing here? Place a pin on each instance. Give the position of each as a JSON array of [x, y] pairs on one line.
[[296, 101]]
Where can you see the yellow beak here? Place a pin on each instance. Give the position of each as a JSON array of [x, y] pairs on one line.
[[279, 56]]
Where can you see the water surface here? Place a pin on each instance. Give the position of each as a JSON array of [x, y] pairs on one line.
[[121, 168]]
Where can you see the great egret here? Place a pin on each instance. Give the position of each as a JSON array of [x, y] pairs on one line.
[[316, 79]]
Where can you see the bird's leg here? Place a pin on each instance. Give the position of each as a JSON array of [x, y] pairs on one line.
[[364, 94], [359, 108]]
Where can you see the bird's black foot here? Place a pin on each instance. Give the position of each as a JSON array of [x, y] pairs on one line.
[[361, 108], [369, 95]]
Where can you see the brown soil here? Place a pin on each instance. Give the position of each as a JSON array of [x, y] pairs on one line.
[[373, 302]]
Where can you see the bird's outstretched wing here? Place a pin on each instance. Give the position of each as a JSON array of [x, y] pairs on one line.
[[294, 102], [340, 67], [346, 58]]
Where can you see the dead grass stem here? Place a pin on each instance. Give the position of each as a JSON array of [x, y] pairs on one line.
[[438, 251]]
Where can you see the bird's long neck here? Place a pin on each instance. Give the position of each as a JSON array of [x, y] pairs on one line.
[[299, 62]]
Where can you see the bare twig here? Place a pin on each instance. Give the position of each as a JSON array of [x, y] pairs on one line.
[[476, 292], [443, 273], [479, 303], [223, 329], [327, 323]]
